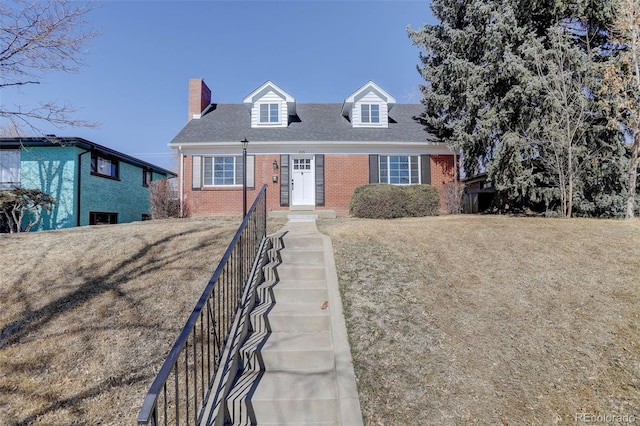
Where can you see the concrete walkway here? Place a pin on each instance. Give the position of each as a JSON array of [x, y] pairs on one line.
[[307, 375]]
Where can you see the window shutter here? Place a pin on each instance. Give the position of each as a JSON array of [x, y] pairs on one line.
[[374, 173], [284, 180], [425, 166], [319, 179], [251, 161], [196, 172]]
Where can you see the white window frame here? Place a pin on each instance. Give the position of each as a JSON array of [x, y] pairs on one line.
[[10, 168], [413, 167], [271, 109], [366, 113], [209, 177]]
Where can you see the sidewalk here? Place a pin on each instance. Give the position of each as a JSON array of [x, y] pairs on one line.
[[307, 371]]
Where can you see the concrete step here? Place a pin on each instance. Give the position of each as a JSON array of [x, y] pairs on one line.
[[298, 256], [310, 352], [288, 271], [300, 317], [296, 397], [304, 424], [287, 291], [302, 242]]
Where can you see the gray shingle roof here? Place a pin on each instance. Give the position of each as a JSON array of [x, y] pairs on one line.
[[314, 122]]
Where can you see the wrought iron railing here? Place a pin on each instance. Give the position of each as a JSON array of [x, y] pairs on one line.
[[180, 391]]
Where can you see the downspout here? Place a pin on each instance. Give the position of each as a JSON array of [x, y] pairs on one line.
[[181, 183], [80, 184]]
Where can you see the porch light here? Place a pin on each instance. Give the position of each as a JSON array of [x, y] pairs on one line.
[[275, 165]]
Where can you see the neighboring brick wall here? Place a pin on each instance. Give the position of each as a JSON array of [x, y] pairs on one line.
[[53, 170], [343, 174]]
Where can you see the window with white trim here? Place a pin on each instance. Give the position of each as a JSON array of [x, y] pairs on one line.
[[269, 113], [370, 113], [222, 171], [9, 168], [399, 169]]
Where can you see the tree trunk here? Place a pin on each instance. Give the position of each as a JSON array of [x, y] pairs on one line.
[[633, 176], [570, 177]]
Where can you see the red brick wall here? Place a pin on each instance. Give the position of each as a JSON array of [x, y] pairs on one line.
[[442, 170], [343, 174], [208, 201]]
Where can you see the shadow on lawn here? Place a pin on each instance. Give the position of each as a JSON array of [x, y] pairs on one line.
[[27, 328], [127, 270]]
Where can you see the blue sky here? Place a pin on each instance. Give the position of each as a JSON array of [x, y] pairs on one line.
[[135, 79]]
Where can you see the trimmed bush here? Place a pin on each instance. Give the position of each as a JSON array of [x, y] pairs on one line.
[[383, 201], [377, 201], [421, 200]]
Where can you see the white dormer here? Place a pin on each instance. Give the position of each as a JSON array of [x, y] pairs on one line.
[[368, 106], [270, 106]]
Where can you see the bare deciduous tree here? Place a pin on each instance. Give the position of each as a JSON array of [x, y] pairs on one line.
[[162, 200], [558, 135], [622, 82], [37, 37]]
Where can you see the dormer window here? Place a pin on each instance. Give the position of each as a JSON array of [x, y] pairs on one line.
[[270, 106], [370, 113], [269, 113], [368, 106]]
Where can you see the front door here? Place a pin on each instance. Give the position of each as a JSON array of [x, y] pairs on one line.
[[302, 181]]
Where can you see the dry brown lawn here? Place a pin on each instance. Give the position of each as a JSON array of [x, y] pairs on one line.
[[87, 315], [492, 320], [452, 320]]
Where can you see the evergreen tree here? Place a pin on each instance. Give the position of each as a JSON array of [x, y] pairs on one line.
[[622, 84], [486, 95]]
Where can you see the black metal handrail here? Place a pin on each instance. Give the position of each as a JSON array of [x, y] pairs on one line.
[[195, 356]]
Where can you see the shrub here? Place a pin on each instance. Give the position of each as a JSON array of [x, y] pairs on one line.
[[421, 200], [22, 205], [383, 201], [452, 193], [378, 201], [162, 201]]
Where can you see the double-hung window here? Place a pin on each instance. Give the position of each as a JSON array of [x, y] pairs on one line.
[[103, 166], [269, 113], [9, 168], [222, 171], [399, 169], [370, 113]]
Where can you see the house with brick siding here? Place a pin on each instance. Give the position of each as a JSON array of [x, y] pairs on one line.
[[93, 184], [312, 156]]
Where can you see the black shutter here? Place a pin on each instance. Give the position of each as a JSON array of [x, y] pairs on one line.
[[425, 165], [374, 173], [319, 179], [284, 180]]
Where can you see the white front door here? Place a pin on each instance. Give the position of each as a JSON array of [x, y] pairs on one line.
[[303, 191]]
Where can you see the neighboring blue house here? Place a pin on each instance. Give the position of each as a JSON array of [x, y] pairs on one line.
[[92, 183]]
